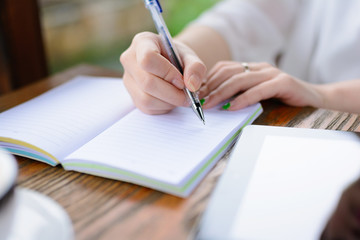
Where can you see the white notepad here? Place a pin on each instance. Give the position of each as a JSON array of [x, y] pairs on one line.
[[281, 183], [91, 125]]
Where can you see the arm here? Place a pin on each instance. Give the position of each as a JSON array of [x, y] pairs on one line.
[[241, 30], [154, 83], [341, 96], [156, 86], [254, 30], [194, 36]]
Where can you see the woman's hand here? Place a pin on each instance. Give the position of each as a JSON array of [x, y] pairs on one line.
[[154, 84], [263, 81]]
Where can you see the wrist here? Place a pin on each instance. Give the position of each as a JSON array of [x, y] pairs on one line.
[[322, 95], [332, 97]]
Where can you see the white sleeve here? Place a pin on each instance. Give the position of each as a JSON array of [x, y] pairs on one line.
[[255, 30]]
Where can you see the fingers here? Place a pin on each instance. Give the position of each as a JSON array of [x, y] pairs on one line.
[[283, 87], [144, 101], [228, 80], [225, 70], [220, 67], [148, 89], [265, 90], [148, 54], [154, 83], [194, 68], [227, 88]]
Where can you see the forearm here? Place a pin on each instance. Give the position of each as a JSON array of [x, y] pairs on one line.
[[341, 96], [207, 44]]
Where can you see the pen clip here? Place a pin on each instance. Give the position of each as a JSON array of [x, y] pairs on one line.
[[159, 6], [156, 3]]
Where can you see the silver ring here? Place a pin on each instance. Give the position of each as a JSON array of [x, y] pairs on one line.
[[246, 66]]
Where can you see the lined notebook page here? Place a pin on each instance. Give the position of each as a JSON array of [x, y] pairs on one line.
[[63, 119], [163, 147]]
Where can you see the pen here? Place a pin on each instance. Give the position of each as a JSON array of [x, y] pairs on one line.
[[156, 10]]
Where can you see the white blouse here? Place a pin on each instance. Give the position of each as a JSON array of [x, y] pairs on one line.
[[318, 40]]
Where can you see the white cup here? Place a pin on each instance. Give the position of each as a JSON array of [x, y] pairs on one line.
[[8, 175], [26, 214]]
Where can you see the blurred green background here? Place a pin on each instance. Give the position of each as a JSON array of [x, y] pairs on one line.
[[97, 32]]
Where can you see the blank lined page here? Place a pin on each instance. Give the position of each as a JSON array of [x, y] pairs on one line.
[[61, 120], [166, 147]]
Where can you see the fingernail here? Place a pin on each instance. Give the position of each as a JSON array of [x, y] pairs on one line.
[[226, 106], [206, 101], [202, 101], [194, 83], [179, 84]]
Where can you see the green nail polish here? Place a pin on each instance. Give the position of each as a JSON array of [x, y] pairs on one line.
[[226, 106], [202, 101]]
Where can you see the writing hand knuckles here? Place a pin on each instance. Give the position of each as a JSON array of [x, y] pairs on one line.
[[148, 84], [124, 57], [168, 74], [146, 61], [142, 35]]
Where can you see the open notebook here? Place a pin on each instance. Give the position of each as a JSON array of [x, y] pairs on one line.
[[90, 125]]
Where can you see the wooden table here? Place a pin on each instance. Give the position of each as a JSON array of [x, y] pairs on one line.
[[106, 209]]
